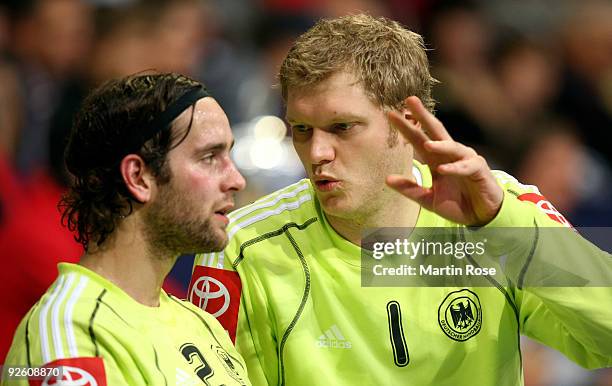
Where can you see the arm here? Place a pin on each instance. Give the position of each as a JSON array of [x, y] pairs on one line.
[[80, 362], [564, 285], [576, 320]]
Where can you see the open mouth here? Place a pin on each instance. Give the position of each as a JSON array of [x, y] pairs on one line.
[[221, 214], [326, 185]]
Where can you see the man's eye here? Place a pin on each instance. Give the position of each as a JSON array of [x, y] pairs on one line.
[[300, 128], [209, 158], [342, 126]]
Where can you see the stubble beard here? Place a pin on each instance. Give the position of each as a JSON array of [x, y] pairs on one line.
[[172, 225]]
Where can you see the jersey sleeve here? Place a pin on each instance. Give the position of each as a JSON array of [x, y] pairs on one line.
[[524, 205], [242, 313], [31, 349], [561, 282]]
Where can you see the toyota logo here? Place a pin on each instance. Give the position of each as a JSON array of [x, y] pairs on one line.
[[207, 289], [71, 376]]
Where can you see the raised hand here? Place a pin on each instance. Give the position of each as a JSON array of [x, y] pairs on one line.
[[463, 190]]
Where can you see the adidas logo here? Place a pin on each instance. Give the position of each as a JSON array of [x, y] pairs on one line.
[[333, 338]]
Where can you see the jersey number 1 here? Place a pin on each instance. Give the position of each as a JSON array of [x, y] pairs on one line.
[[396, 333]]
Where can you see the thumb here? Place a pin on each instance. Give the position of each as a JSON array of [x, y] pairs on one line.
[[410, 189]]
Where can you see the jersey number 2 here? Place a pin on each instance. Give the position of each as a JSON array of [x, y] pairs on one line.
[[190, 352]]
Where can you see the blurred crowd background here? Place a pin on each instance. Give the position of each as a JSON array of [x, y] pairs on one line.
[[527, 83]]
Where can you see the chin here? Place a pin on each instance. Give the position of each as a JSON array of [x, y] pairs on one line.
[[337, 207], [215, 241], [222, 239]]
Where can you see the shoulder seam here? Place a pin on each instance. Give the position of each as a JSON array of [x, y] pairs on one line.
[[115, 312], [262, 216], [521, 278], [91, 322], [268, 235]]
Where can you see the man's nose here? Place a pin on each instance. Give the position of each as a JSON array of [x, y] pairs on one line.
[[235, 180], [321, 147]]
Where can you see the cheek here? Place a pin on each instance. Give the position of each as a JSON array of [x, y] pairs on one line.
[[374, 168], [302, 151], [198, 184]]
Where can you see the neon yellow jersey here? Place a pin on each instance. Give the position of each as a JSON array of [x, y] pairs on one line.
[[301, 317], [98, 333]]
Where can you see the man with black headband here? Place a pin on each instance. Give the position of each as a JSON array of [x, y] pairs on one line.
[[152, 179]]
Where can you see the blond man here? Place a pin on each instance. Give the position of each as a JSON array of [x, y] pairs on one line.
[[301, 311]]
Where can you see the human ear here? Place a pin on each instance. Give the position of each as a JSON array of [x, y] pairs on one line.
[[408, 115], [137, 178]]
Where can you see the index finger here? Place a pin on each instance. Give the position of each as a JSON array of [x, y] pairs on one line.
[[432, 125], [409, 130]]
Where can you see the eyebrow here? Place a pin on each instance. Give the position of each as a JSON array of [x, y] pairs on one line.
[[337, 119], [215, 147]]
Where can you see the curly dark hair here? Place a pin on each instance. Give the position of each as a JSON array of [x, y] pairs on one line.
[[111, 121]]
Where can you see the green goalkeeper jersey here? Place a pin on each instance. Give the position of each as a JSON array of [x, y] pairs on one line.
[[98, 335], [288, 289]]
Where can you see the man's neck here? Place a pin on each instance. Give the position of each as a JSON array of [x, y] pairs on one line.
[[402, 213], [127, 260]]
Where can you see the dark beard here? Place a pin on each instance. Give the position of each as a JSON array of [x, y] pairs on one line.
[[171, 228]]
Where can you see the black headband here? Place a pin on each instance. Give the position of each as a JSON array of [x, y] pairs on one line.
[[136, 139], [173, 110]]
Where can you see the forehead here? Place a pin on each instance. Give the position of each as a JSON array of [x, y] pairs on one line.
[[210, 124], [340, 93]]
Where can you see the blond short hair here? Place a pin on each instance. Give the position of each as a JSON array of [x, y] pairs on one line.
[[388, 60]]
